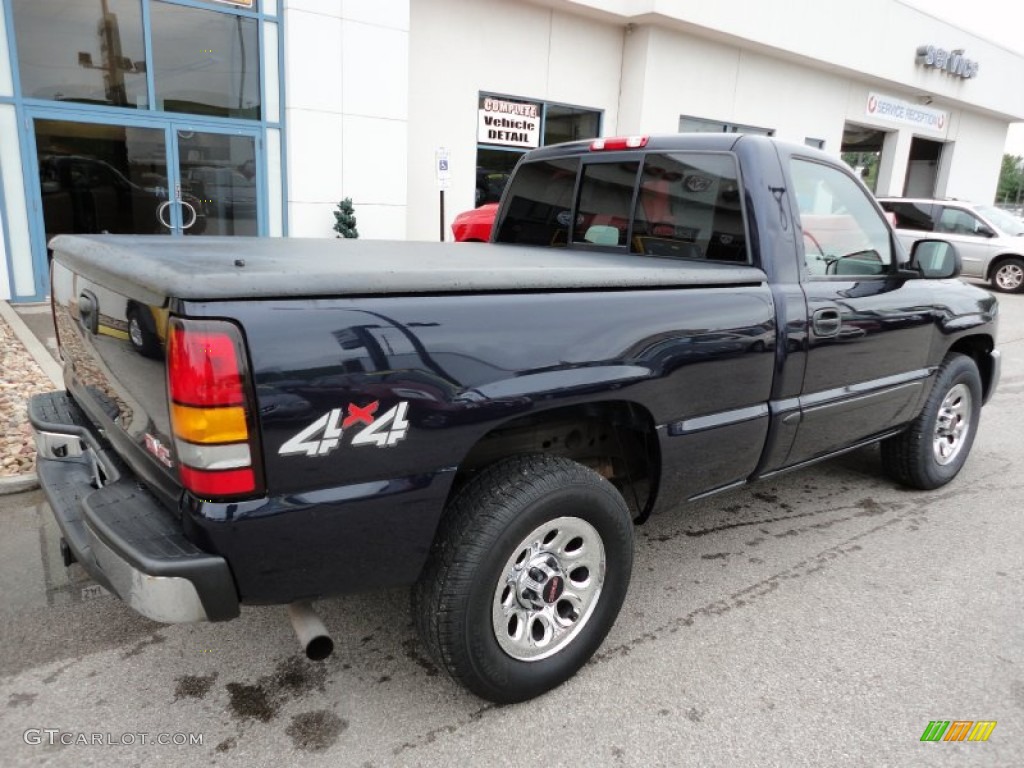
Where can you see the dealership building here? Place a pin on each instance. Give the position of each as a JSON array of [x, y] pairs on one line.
[[256, 117]]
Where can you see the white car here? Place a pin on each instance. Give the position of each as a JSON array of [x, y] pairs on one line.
[[990, 241]]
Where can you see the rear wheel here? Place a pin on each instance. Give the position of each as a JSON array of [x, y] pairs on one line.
[[143, 340], [1008, 275], [527, 575], [933, 449]]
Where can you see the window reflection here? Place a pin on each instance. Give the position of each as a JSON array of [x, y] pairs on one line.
[[205, 62], [85, 51], [101, 178], [218, 172]]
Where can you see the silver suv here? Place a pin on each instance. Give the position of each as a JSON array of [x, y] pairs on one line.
[[990, 241]]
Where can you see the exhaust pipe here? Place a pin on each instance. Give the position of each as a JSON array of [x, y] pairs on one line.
[[312, 634]]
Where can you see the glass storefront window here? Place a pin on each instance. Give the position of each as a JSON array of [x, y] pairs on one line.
[[522, 125], [272, 88], [6, 78], [205, 62], [218, 182], [569, 124], [83, 51], [101, 178], [689, 124]]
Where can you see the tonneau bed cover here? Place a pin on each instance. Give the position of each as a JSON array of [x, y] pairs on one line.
[[213, 268]]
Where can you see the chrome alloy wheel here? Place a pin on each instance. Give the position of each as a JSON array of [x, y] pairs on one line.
[[1009, 276], [548, 588], [135, 332], [952, 424]]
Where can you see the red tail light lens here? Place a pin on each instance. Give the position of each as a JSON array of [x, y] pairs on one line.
[[203, 364], [212, 409], [212, 485]]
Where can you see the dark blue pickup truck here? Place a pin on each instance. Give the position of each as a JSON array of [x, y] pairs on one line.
[[259, 421]]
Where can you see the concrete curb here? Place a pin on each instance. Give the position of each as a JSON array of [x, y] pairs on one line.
[[18, 484], [34, 347], [49, 366]]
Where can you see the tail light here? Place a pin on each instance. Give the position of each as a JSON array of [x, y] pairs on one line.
[[618, 142], [212, 413]]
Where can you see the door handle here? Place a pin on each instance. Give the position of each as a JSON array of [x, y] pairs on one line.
[[191, 209], [160, 213], [826, 322]]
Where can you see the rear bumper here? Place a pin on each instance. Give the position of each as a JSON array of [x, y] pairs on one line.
[[121, 535]]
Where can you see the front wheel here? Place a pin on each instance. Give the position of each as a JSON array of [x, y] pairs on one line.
[[527, 575], [1009, 276], [933, 449]]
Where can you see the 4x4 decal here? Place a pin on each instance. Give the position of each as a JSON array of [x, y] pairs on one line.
[[325, 434]]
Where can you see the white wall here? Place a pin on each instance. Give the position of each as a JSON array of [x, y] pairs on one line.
[[874, 39], [977, 155], [458, 48], [346, 107]]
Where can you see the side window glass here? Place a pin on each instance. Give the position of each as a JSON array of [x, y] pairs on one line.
[[689, 208], [539, 203], [957, 222], [842, 232], [606, 194], [919, 217]]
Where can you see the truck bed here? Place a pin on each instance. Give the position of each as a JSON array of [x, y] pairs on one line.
[[207, 268]]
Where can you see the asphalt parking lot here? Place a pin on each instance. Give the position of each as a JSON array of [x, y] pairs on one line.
[[820, 619]]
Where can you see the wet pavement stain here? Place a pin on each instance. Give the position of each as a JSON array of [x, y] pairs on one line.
[[251, 702], [412, 652], [229, 743], [315, 731], [293, 677], [716, 556], [139, 647], [21, 699], [193, 686], [56, 673]]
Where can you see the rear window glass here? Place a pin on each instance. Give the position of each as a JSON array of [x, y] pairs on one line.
[[916, 216], [539, 209], [606, 196], [689, 208]]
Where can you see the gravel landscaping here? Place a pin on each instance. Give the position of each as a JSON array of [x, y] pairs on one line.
[[20, 378]]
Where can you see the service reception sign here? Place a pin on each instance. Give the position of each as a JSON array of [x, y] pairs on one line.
[[898, 111], [509, 123]]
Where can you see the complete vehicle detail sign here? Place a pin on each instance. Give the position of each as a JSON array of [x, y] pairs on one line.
[[509, 123], [898, 111]]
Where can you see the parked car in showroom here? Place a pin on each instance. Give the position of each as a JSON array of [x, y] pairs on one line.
[[990, 241]]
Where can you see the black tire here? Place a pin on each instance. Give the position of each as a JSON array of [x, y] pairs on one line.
[[143, 339], [457, 604], [1008, 276], [914, 457]]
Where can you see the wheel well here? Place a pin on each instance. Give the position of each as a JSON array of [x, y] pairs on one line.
[[999, 260], [978, 348], [616, 439]]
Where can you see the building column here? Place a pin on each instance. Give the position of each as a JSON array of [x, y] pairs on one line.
[[892, 167]]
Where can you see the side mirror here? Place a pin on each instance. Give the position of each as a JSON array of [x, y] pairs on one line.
[[985, 231], [935, 259]]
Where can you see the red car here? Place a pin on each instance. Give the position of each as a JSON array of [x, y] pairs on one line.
[[475, 225]]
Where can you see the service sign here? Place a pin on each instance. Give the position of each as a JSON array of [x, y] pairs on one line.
[[898, 111], [509, 123]]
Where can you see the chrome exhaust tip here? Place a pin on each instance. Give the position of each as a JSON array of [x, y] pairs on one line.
[[312, 634]]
